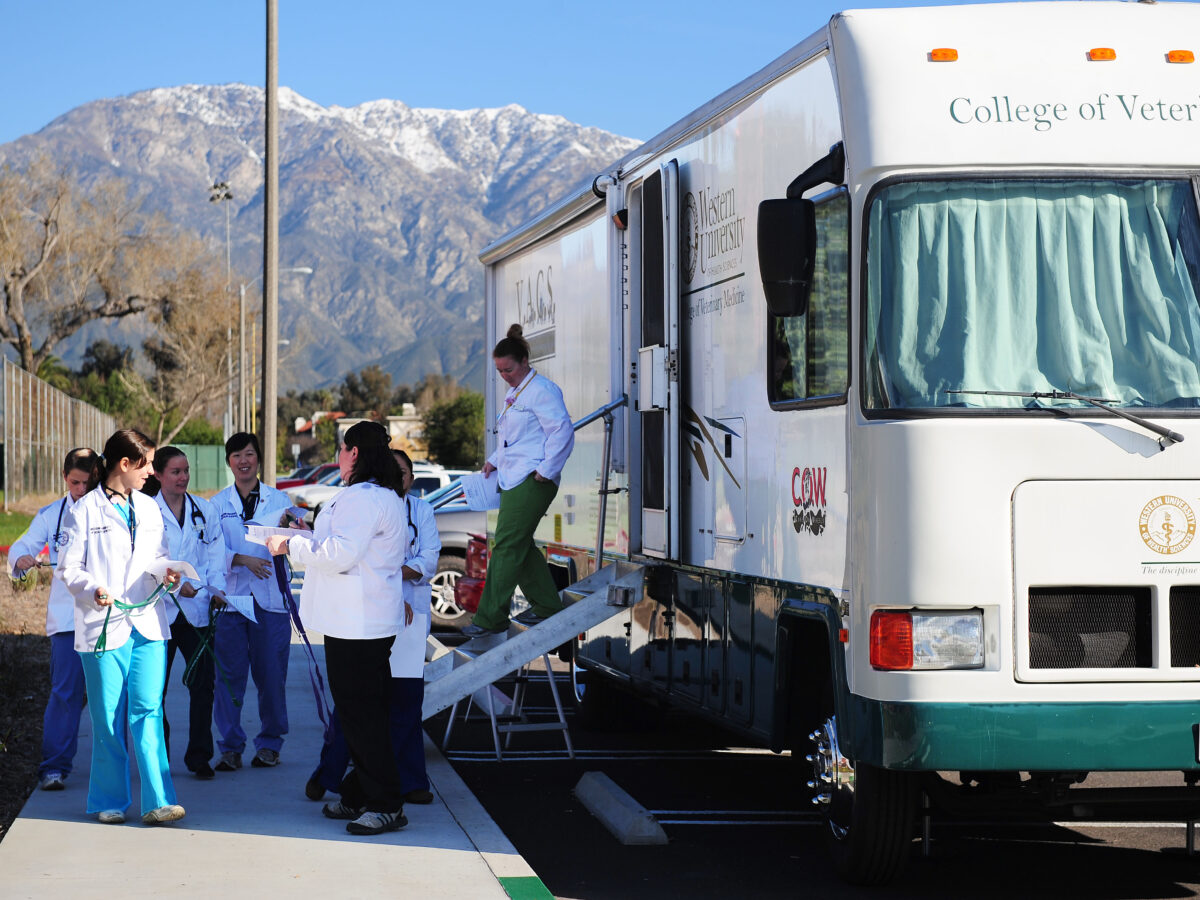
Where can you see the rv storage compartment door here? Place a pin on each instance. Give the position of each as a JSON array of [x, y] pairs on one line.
[[658, 378]]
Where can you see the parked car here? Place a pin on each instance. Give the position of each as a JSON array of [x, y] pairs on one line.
[[312, 476], [314, 496]]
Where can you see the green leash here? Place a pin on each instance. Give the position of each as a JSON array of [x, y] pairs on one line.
[[102, 641]]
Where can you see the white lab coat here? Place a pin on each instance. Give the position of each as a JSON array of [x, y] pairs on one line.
[[97, 554], [199, 541], [46, 530], [353, 584], [424, 548], [533, 433], [240, 581]]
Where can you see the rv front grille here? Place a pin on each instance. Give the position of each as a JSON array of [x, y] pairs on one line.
[[1089, 628], [1185, 627]]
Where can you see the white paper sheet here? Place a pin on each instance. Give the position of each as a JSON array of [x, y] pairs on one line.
[[159, 569], [242, 603], [258, 534], [481, 491]]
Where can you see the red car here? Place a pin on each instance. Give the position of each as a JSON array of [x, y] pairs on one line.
[[311, 477]]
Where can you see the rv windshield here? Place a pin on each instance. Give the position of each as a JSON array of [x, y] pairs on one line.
[[1030, 286]]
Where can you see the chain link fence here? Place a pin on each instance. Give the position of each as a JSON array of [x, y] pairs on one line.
[[42, 425]]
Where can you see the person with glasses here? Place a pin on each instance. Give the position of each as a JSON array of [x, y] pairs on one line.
[[534, 437], [244, 647], [194, 536], [114, 537], [60, 724]]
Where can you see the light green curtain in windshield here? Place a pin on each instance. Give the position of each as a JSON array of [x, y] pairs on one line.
[[1033, 286]]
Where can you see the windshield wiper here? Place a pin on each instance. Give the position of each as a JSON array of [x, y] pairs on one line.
[[1099, 402]]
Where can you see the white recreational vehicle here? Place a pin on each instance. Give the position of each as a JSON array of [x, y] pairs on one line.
[[907, 325]]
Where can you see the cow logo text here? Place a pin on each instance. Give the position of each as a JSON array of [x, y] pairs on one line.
[[1167, 524], [808, 499]]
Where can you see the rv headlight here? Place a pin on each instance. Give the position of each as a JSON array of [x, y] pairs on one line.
[[904, 639]]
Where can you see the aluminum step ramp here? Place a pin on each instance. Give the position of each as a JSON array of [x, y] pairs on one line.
[[478, 664]]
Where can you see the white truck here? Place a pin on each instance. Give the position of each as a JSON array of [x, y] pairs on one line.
[[907, 322]]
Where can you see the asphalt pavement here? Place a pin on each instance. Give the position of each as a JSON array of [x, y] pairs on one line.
[[253, 833]]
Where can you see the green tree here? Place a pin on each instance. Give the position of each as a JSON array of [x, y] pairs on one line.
[[199, 431], [325, 432], [367, 394], [454, 431]]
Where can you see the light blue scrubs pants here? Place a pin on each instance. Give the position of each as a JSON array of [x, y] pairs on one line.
[[126, 685]]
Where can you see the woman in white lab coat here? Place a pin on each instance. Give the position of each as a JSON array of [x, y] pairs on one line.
[[194, 536], [60, 724], [112, 537], [354, 595]]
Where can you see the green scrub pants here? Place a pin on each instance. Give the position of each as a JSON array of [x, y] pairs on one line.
[[515, 559]]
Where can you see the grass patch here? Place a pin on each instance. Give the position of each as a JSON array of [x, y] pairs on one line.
[[12, 526]]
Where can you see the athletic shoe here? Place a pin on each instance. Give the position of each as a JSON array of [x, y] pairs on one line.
[[52, 781], [476, 631], [171, 813], [339, 810], [229, 761], [377, 822], [265, 759], [419, 797], [313, 789], [529, 618], [111, 817]]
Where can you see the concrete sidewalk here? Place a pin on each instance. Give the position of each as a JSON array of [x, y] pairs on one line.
[[253, 833]]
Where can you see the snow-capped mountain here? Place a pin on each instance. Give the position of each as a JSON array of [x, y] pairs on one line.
[[388, 204]]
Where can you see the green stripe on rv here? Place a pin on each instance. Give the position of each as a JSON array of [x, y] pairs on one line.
[[526, 888], [1023, 736]]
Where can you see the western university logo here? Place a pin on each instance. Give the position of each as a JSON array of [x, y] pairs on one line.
[[1167, 524]]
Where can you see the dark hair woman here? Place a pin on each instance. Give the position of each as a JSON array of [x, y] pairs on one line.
[[534, 437], [194, 536], [354, 594], [114, 537], [60, 724]]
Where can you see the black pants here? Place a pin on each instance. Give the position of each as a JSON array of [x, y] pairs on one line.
[[200, 700], [360, 680]]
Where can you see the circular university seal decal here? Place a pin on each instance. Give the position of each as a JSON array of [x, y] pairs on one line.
[[1167, 524], [689, 238]]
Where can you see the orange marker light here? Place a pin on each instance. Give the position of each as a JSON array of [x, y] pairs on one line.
[[943, 54], [1102, 54], [1181, 56], [891, 639]]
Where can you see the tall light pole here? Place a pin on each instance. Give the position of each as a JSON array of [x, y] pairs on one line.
[[270, 380], [245, 408], [220, 193]]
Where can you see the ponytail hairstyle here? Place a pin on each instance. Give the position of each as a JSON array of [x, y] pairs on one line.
[[128, 443], [162, 456], [375, 461], [513, 345], [81, 458]]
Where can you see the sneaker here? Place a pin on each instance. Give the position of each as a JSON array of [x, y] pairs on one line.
[[475, 631], [529, 618], [52, 781], [111, 817], [313, 789], [419, 797], [229, 761], [265, 759], [339, 810], [377, 822], [171, 813]]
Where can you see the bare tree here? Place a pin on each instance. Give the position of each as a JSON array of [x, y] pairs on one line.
[[69, 257], [188, 345]]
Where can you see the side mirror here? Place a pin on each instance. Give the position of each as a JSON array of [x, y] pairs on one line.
[[787, 249]]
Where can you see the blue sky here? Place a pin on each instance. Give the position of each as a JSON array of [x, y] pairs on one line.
[[630, 68]]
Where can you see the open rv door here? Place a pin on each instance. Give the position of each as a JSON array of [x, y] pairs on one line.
[[658, 364]]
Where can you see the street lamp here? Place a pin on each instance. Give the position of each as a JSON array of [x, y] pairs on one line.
[[245, 408], [220, 193]]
